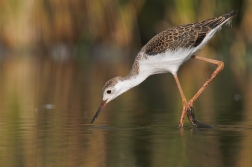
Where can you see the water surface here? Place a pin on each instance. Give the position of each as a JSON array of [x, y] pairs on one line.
[[46, 108]]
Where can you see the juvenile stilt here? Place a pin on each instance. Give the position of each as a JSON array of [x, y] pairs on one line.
[[166, 52]]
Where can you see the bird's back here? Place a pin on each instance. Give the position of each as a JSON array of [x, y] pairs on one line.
[[185, 36]]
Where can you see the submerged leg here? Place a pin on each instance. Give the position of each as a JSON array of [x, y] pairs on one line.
[[190, 111], [196, 123], [184, 102]]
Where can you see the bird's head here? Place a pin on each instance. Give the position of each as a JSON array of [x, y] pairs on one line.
[[113, 88]]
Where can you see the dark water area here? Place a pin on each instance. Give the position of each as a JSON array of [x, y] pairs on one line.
[[46, 108]]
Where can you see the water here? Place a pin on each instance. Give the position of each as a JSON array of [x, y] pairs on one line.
[[46, 108]]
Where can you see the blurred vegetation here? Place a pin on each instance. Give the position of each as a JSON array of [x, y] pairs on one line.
[[57, 54], [42, 24]]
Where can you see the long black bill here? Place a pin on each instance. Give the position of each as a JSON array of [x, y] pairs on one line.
[[103, 104]]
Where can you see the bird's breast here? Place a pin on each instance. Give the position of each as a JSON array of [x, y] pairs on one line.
[[169, 61]]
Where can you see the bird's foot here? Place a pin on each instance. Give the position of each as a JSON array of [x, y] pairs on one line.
[[191, 116]]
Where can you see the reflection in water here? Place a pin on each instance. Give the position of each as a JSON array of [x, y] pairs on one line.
[[47, 101], [46, 108]]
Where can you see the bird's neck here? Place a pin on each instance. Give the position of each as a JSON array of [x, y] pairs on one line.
[[131, 81]]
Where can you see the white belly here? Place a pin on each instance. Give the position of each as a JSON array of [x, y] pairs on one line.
[[169, 61]]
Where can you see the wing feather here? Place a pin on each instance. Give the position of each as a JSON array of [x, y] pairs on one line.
[[184, 36]]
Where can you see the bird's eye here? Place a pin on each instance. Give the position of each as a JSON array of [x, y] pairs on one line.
[[108, 91]]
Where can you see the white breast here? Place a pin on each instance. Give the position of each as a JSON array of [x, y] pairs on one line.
[[168, 61]]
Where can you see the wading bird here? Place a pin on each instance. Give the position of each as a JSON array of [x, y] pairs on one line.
[[166, 52]]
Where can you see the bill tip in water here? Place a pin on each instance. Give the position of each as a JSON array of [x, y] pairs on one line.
[[92, 120]]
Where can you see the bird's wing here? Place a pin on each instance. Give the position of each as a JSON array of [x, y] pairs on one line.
[[184, 36]]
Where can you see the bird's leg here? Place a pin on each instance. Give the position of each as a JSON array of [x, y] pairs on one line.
[[218, 69], [184, 102], [190, 111]]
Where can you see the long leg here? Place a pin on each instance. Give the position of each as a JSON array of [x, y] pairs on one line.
[[184, 102], [190, 111], [217, 70]]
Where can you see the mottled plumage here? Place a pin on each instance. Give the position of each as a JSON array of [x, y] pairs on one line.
[[184, 36], [166, 52]]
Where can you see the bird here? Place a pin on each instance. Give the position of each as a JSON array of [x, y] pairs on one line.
[[165, 53]]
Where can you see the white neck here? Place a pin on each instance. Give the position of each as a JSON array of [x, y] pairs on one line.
[[130, 82]]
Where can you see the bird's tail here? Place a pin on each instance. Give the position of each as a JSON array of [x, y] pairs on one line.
[[215, 22], [230, 15]]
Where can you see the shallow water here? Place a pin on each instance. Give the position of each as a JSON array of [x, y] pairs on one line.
[[46, 108]]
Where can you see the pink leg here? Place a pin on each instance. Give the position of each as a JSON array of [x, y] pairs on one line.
[[184, 102], [218, 69], [190, 111]]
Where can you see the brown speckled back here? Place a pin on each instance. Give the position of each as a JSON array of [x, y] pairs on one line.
[[184, 36]]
